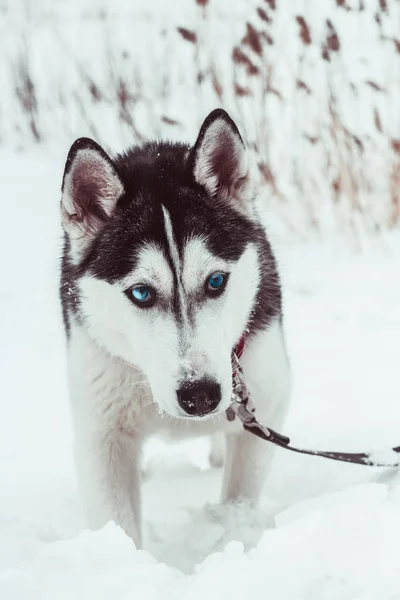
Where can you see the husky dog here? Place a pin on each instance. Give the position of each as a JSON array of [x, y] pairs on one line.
[[166, 266]]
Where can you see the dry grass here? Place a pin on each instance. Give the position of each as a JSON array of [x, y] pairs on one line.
[[350, 186], [248, 84]]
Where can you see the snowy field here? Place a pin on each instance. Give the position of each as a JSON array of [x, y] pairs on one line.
[[325, 531]]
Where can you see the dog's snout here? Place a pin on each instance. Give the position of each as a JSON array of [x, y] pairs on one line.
[[199, 398]]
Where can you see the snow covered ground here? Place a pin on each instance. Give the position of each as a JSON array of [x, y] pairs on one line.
[[324, 530]]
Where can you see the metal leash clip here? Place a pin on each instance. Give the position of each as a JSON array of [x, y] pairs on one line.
[[240, 396]]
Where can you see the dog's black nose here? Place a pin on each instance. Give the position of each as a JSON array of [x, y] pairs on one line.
[[200, 398]]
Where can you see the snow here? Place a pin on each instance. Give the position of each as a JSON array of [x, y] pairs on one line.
[[324, 531]]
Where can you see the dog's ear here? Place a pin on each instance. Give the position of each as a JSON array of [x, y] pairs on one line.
[[219, 160], [90, 189]]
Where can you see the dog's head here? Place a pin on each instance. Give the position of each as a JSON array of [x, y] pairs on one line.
[[164, 255]]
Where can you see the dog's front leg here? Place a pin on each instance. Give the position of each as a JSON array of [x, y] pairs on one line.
[[267, 376], [247, 464], [107, 443], [109, 478]]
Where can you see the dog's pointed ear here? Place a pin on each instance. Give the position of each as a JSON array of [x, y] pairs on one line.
[[91, 188], [219, 160]]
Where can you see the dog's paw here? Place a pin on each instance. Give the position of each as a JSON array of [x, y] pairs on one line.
[[238, 521], [209, 530]]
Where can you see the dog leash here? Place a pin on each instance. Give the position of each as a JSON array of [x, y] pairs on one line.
[[243, 408]]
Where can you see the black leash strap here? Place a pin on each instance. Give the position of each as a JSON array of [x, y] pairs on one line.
[[242, 408]]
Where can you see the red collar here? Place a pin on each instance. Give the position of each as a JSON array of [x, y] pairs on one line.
[[239, 348]]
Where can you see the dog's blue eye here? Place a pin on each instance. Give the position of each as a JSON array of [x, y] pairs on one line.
[[142, 295], [215, 284], [215, 281]]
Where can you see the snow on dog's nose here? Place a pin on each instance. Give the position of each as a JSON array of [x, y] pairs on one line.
[[199, 398]]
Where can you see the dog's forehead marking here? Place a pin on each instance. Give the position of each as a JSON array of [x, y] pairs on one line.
[[181, 275], [176, 262], [152, 268]]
